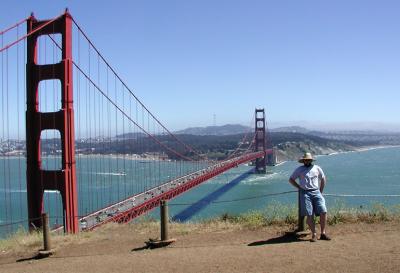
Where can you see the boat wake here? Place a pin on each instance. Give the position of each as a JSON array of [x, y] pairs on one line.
[[105, 173], [51, 191], [113, 174], [12, 191], [262, 179]]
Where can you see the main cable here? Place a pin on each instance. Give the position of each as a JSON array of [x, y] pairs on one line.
[[14, 26], [130, 91], [123, 112], [30, 33]]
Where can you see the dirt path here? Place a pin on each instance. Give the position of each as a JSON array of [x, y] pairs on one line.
[[354, 248]]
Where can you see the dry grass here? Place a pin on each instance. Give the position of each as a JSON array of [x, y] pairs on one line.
[[275, 215], [20, 241], [23, 241]]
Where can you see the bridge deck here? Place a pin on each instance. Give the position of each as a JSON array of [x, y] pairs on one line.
[[134, 206]]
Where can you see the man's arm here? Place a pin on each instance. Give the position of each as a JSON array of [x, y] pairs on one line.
[[323, 182], [293, 182]]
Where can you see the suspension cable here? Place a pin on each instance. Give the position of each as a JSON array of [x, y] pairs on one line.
[[241, 142], [126, 115], [130, 91], [30, 33], [14, 26]]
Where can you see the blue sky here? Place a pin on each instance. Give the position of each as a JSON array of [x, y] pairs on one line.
[[312, 63]]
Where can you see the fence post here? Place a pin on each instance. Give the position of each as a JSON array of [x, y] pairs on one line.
[[46, 232], [164, 228], [46, 237], [164, 220], [301, 219]]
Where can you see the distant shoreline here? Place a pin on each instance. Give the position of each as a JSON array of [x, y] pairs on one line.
[[361, 149], [131, 157], [377, 147]]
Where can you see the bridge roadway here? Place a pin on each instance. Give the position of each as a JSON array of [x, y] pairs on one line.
[[128, 209]]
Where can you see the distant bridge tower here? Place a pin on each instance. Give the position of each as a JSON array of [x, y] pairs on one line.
[[260, 140], [38, 179]]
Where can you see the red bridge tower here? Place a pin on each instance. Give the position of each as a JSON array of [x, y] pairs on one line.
[[39, 180], [260, 141]]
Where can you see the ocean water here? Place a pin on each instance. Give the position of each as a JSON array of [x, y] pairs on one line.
[[102, 181], [371, 172]]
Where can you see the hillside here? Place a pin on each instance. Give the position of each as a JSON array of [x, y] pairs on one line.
[[218, 142], [290, 145], [228, 129]]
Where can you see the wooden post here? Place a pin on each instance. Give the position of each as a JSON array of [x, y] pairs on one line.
[[164, 228], [164, 220], [46, 232], [46, 252], [301, 219]]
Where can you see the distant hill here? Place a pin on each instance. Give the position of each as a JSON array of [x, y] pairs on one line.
[[353, 137], [224, 130], [130, 136], [291, 129]]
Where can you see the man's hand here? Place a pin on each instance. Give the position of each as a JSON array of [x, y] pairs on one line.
[[321, 188], [293, 182]]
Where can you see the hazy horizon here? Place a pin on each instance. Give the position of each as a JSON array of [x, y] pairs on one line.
[[333, 126]]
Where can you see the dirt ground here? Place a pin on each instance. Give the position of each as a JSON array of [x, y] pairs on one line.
[[354, 248]]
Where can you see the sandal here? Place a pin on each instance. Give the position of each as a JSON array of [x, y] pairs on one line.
[[325, 237], [313, 238]]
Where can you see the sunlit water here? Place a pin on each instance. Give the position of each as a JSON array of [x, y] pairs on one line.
[[372, 172], [102, 181]]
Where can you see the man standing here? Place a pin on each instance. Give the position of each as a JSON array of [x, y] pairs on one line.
[[311, 185]]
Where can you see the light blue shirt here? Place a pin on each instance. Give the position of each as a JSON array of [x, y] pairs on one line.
[[309, 177]]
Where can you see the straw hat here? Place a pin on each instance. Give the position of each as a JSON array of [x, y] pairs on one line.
[[306, 156]]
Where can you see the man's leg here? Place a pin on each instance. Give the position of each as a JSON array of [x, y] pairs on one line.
[[320, 209], [323, 220], [306, 208], [311, 224]]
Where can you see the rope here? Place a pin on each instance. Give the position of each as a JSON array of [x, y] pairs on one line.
[[19, 222], [282, 193], [228, 201], [34, 219], [234, 200], [361, 195]]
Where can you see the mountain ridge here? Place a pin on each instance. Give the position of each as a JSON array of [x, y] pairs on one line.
[[221, 130]]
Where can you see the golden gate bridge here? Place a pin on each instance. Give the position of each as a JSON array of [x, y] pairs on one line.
[[72, 124]]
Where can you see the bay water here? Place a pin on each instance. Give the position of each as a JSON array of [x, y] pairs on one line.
[[361, 174], [356, 179]]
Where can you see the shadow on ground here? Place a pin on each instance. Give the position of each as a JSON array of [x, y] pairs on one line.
[[288, 237], [36, 257]]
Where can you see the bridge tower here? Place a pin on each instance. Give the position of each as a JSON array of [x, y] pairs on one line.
[[260, 141], [38, 179]]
